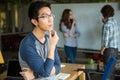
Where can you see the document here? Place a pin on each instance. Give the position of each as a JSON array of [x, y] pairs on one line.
[[62, 76]]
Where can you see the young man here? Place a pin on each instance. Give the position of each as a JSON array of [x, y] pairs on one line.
[[37, 51], [110, 36]]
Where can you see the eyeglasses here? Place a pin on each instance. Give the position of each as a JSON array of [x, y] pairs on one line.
[[47, 16]]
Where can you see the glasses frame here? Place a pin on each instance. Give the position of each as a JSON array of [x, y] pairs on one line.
[[47, 16]]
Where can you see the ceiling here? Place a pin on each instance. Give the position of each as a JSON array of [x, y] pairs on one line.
[[15, 1]]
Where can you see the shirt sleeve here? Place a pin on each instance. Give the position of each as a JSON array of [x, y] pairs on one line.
[[57, 62], [35, 62], [65, 30], [106, 35], [77, 30]]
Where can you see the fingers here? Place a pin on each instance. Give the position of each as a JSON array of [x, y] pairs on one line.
[[26, 69], [52, 33], [22, 74], [27, 75]]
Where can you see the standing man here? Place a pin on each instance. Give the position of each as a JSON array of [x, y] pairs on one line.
[[110, 36]]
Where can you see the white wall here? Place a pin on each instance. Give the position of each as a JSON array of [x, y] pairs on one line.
[[88, 17]]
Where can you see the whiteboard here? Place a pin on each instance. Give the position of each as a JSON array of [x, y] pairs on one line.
[[88, 17]]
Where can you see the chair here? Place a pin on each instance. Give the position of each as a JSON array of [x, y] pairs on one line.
[[107, 70], [105, 74]]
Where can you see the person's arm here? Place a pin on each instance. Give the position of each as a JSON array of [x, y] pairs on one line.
[[27, 74], [36, 63], [53, 42], [57, 62], [73, 23], [72, 30], [56, 67], [106, 37], [77, 32], [102, 50], [66, 32]]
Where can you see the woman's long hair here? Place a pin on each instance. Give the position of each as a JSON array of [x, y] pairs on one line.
[[65, 19]]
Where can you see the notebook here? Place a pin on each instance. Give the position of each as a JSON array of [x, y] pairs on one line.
[[13, 70], [62, 76]]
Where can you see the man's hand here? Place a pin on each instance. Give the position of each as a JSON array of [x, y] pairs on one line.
[[74, 35], [66, 35], [102, 50], [27, 74], [53, 38]]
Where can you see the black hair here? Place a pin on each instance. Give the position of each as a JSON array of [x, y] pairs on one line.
[[107, 11], [35, 7]]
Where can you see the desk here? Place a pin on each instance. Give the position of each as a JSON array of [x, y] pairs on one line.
[[70, 69]]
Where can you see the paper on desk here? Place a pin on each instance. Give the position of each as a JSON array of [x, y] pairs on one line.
[[62, 76], [62, 65]]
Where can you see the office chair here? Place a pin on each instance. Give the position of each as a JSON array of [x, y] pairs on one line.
[[105, 74]]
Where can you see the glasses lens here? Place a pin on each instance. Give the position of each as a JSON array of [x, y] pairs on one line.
[[47, 16]]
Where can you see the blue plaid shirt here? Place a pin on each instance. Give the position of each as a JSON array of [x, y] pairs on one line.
[[110, 33]]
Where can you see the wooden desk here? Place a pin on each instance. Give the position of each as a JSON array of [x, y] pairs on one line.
[[70, 69]]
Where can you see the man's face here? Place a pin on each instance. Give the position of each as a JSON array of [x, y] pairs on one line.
[[45, 19]]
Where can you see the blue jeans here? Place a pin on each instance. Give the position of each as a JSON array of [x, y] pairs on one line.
[[106, 56], [71, 53]]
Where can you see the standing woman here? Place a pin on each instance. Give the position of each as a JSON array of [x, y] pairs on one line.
[[68, 28]]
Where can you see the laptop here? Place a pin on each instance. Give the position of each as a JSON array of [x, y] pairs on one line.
[[13, 70]]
